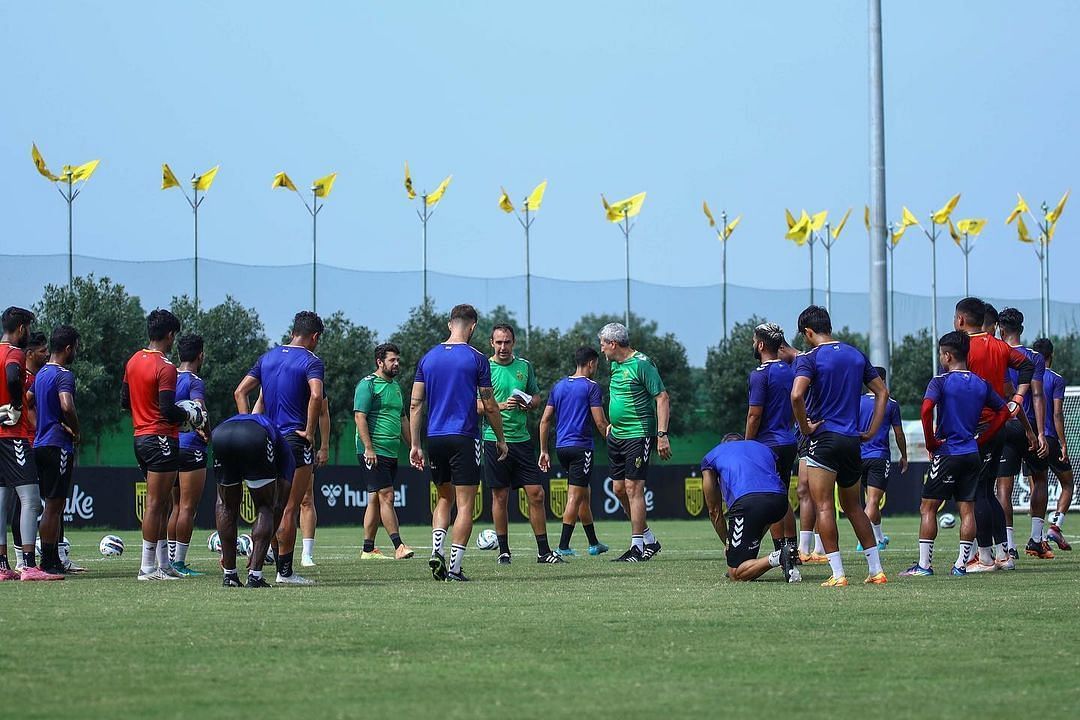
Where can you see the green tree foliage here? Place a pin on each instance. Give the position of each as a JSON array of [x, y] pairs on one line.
[[348, 352], [727, 369], [911, 371], [113, 326]]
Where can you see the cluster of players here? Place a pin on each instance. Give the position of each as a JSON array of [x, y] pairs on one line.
[[826, 410]]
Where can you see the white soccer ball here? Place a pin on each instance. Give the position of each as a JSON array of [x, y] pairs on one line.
[[243, 545], [213, 543], [196, 415], [487, 540], [948, 520], [111, 546]]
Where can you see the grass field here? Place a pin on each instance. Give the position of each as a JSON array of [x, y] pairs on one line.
[[588, 639]]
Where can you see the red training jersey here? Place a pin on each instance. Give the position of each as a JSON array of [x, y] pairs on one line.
[[989, 357], [28, 421], [11, 355], [147, 373]]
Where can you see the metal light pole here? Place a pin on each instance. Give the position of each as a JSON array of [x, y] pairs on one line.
[[320, 188], [69, 197], [424, 214], [626, 227], [880, 351], [527, 223], [892, 296], [1045, 239], [69, 175], [932, 235], [723, 269], [827, 242]]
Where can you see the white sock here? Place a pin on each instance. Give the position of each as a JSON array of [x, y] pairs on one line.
[[873, 559], [257, 574], [774, 558], [437, 537], [229, 572], [837, 564], [818, 547], [172, 550], [162, 553], [806, 539], [309, 547], [149, 557], [456, 553], [1001, 552], [63, 554], [638, 541], [1037, 529], [649, 537], [965, 554], [1010, 539], [180, 552], [879, 534], [926, 553], [986, 555], [1057, 518]]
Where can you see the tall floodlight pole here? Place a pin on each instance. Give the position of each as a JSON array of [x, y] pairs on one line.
[[199, 183], [320, 188], [722, 233], [1046, 226], [964, 234], [892, 289], [70, 176], [880, 353], [806, 231], [428, 203], [529, 206], [620, 213]]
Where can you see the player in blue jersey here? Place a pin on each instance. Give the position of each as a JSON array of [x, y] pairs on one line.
[[769, 418], [291, 379], [741, 474], [960, 397], [250, 450], [877, 458], [836, 372], [448, 380], [57, 432], [575, 405], [1057, 449], [188, 489]]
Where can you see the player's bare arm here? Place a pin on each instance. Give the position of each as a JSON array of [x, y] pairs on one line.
[[314, 408], [491, 410], [901, 445], [753, 421], [798, 406], [544, 461], [601, 421], [416, 409], [71, 417], [243, 391], [323, 455], [715, 502], [663, 418], [360, 419]]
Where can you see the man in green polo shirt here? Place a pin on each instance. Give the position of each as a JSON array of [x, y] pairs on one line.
[[513, 381], [639, 409], [379, 412]]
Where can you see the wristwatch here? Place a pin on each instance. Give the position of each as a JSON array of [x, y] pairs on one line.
[[661, 433]]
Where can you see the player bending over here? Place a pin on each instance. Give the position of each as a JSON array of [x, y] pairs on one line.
[[876, 458], [1057, 450]]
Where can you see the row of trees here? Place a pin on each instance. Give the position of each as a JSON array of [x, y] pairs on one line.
[[712, 399]]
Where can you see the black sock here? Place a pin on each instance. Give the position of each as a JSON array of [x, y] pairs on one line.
[[369, 545], [504, 544], [777, 543], [564, 539], [396, 539], [590, 532], [542, 547], [284, 564], [50, 554], [4, 562], [792, 541], [28, 559]]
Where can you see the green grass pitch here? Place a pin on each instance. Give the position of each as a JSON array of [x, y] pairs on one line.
[[589, 639]]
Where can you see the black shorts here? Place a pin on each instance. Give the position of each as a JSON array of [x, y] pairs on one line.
[[516, 471], [749, 519], [455, 459], [840, 454], [380, 476], [953, 477], [577, 462], [785, 461], [629, 457], [54, 465], [991, 460], [243, 452], [17, 466], [303, 453], [1016, 453], [802, 446], [192, 459], [875, 473], [157, 453], [1053, 458]]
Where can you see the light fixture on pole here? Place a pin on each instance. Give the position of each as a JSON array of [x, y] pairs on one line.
[[620, 213], [722, 233], [1046, 227], [827, 241], [530, 206], [428, 202], [964, 233], [320, 188], [199, 183], [69, 176], [805, 231]]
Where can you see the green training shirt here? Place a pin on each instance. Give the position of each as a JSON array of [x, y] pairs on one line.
[[381, 400], [635, 383], [518, 375]]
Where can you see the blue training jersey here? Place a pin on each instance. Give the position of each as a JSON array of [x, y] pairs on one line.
[[1038, 374], [452, 373], [770, 389], [960, 396], [877, 446], [573, 399], [283, 373], [50, 381], [837, 372], [744, 467], [1053, 389], [282, 452], [190, 386]]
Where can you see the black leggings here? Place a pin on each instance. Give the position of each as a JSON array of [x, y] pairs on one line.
[[989, 515]]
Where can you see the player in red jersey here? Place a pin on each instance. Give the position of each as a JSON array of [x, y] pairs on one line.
[[36, 352], [989, 358], [149, 392]]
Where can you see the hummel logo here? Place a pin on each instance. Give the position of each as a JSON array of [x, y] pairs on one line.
[[331, 493], [588, 461], [737, 531], [163, 442], [813, 446], [269, 450], [198, 455], [479, 449], [308, 456], [20, 452], [63, 461], [935, 467], [645, 457]]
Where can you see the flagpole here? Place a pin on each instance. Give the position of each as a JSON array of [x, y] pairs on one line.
[[195, 210], [1046, 272], [71, 242], [626, 236], [811, 244], [423, 224], [967, 251], [723, 269], [528, 279], [314, 247], [892, 298], [827, 241], [933, 296]]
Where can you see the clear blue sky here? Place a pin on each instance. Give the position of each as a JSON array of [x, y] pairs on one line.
[[753, 106]]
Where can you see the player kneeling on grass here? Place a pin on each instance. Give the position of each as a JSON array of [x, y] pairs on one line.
[[955, 461], [742, 474], [249, 449]]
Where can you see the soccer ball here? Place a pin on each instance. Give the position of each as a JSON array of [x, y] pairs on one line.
[[487, 540], [948, 520], [196, 415], [213, 543], [111, 546], [243, 545]]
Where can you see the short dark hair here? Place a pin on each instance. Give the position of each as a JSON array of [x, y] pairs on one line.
[[15, 317], [464, 312], [770, 335], [63, 336], [585, 355], [160, 323], [1045, 347], [957, 343], [189, 347], [1011, 319], [382, 350], [815, 318], [880, 371], [505, 328], [990, 314], [973, 311], [306, 323]]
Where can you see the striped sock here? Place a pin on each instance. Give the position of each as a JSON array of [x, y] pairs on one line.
[[172, 550], [437, 537], [456, 553], [965, 554], [638, 541], [926, 553]]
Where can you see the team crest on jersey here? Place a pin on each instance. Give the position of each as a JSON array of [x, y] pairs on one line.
[[695, 496], [140, 499], [520, 376], [558, 491], [523, 503], [247, 507]]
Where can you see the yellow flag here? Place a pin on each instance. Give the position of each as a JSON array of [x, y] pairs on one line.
[[953, 232], [629, 207], [843, 221], [324, 185], [1021, 207], [731, 226], [708, 214], [84, 171], [790, 218], [437, 195], [408, 183], [168, 180], [907, 219], [1053, 215], [818, 221], [1022, 231], [39, 163], [536, 196], [866, 217], [898, 233], [282, 180], [204, 181], [801, 231], [942, 216], [971, 226], [504, 202]]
